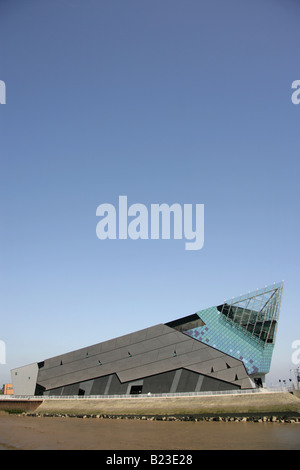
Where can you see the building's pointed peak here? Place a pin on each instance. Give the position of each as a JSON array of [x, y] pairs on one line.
[[256, 312]]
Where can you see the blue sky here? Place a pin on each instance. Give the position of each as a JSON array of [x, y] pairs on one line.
[[163, 101]]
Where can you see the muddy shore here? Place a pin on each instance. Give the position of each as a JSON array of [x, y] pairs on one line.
[[58, 433], [260, 421]]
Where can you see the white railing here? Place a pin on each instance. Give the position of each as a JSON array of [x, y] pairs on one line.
[[149, 395]]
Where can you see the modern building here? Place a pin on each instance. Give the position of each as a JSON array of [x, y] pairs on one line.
[[225, 347], [7, 389]]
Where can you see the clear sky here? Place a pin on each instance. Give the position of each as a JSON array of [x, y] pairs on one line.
[[163, 101]]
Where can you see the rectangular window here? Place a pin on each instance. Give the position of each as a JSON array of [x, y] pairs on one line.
[[136, 389]]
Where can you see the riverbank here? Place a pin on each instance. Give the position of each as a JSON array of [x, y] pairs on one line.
[[58, 433], [260, 421], [282, 417], [264, 404]]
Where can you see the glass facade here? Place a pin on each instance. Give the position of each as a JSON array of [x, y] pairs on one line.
[[244, 327]]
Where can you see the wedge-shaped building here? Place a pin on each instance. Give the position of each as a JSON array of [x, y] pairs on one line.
[[225, 347]]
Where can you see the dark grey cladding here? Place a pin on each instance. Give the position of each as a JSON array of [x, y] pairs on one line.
[[175, 381], [159, 359]]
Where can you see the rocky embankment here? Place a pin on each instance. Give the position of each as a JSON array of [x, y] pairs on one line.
[[256, 419], [258, 407], [217, 405]]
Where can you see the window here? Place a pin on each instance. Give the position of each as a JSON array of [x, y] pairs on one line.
[[136, 389], [256, 312], [186, 323], [258, 382]]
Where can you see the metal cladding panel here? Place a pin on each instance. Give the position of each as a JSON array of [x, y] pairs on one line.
[[168, 351], [116, 387], [196, 345], [153, 368], [187, 381], [211, 384], [231, 361], [229, 374], [99, 386], [141, 352], [24, 379], [148, 352], [177, 380], [86, 386], [106, 346], [161, 383], [129, 366], [245, 383], [72, 389], [55, 392], [201, 367], [87, 357], [200, 356], [218, 364], [82, 364]]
